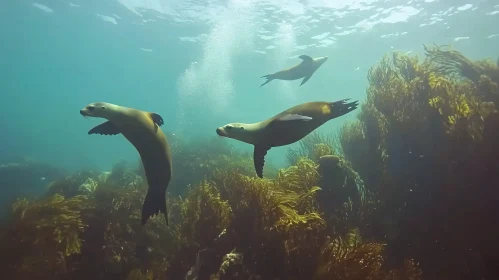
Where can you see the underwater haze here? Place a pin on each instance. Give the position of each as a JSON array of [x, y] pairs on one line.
[[199, 64], [411, 166]]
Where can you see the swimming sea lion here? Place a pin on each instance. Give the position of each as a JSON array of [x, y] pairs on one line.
[[142, 130], [305, 70], [285, 128]]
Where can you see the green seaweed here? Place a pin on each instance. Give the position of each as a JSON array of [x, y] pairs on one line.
[[403, 192], [424, 146], [42, 236]]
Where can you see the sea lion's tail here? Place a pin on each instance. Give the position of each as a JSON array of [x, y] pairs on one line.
[[269, 77], [340, 108], [154, 203]]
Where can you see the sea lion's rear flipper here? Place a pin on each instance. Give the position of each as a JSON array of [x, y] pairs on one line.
[[305, 80], [306, 58], [294, 117], [340, 108], [154, 203], [269, 77], [259, 159], [157, 119], [106, 128]]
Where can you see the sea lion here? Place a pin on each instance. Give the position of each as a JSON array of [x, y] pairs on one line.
[[285, 128], [305, 70], [142, 130]]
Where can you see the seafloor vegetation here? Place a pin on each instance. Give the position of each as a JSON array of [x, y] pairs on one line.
[[408, 191]]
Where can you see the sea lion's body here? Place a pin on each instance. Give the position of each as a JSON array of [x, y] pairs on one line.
[[142, 130], [305, 70], [285, 128]]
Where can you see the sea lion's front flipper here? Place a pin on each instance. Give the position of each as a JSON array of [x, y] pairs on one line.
[[259, 159], [294, 117], [107, 128], [157, 119], [306, 58], [305, 80]]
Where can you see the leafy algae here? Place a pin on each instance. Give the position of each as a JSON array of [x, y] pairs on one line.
[[419, 159]]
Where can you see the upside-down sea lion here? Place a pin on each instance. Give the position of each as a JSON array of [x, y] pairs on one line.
[[305, 70], [142, 130], [285, 128]]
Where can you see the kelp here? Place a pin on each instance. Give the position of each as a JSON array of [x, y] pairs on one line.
[[84, 182], [313, 146], [196, 160], [425, 145], [198, 219], [349, 258], [136, 274], [278, 213], [344, 200], [451, 63], [26, 178], [42, 236], [405, 189], [274, 226], [232, 268]]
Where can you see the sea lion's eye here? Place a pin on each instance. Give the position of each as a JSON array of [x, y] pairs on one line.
[[241, 127], [90, 108], [103, 107]]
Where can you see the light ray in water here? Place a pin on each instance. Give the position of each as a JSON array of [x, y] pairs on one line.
[[207, 85], [285, 49]]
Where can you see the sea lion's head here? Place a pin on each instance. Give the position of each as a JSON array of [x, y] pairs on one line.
[[239, 131], [99, 110]]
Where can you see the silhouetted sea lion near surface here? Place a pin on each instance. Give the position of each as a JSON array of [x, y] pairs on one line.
[[142, 130], [305, 70], [285, 128]]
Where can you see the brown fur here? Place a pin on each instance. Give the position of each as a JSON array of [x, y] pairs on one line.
[[142, 130], [285, 128], [304, 69]]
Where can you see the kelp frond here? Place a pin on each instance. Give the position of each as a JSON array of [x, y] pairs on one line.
[[300, 177], [204, 215], [348, 258], [410, 271], [440, 114], [313, 146], [136, 274], [449, 62], [42, 234]]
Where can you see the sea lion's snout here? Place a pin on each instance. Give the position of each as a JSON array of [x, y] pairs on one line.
[[87, 111], [221, 132], [84, 112]]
